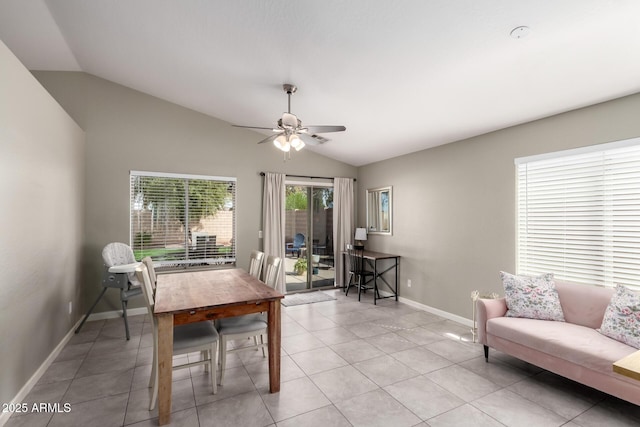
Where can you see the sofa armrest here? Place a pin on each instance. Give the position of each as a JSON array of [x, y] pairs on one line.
[[488, 309]]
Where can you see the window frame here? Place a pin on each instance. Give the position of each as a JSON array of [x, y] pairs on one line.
[[606, 241], [188, 262]]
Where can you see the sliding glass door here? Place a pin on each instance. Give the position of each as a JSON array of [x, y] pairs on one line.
[[309, 237]]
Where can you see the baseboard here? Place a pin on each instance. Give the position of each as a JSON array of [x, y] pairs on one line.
[[24, 391], [116, 313], [450, 316], [432, 310]]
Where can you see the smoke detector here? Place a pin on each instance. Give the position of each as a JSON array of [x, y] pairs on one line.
[[520, 32]]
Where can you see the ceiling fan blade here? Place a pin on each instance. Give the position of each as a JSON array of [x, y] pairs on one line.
[[251, 127], [270, 138], [324, 129]]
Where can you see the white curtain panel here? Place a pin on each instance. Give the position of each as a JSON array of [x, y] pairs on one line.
[[343, 220], [273, 216]]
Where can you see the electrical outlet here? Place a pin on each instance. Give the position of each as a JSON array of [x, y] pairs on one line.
[[409, 283], [260, 234], [70, 307]]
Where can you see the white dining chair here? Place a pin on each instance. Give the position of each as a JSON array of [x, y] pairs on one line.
[[255, 263], [247, 326], [272, 271], [189, 338], [148, 262]]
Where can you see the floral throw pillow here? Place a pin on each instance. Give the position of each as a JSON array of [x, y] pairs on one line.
[[533, 297], [622, 317]]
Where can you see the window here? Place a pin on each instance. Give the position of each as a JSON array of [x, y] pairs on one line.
[[182, 221], [578, 214]]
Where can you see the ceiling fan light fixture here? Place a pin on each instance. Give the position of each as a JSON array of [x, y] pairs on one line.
[[296, 142], [282, 143]]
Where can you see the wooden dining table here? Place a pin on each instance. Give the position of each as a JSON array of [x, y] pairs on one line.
[[209, 295]]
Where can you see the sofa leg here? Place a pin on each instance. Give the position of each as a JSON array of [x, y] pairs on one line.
[[486, 353]]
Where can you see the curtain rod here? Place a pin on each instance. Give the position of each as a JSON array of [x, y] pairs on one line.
[[306, 176]]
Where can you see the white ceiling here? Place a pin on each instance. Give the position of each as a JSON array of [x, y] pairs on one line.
[[401, 75]]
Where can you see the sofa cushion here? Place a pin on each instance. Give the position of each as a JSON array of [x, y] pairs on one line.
[[533, 297], [583, 304], [622, 317], [577, 344]]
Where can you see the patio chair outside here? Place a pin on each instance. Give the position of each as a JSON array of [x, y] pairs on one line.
[[296, 246]]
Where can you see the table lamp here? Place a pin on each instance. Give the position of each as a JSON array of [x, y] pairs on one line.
[[361, 236]]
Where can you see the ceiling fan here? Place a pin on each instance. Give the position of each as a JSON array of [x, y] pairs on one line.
[[290, 132]]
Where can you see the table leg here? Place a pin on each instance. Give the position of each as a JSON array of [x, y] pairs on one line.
[[274, 332], [165, 371], [397, 262], [344, 273], [375, 281]]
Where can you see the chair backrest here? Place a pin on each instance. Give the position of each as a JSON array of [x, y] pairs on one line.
[[272, 271], [255, 263], [117, 253], [356, 260], [148, 262], [149, 298], [147, 290], [298, 240]]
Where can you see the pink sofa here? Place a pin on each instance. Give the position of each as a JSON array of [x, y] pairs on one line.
[[573, 349]]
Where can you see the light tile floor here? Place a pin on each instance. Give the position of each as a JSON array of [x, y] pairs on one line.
[[344, 363]]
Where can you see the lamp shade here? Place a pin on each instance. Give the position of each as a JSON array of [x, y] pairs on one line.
[[282, 143], [361, 234], [296, 142]]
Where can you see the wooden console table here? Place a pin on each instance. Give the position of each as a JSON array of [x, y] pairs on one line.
[[372, 258], [629, 366]]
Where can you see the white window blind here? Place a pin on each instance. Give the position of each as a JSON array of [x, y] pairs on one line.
[[579, 215], [183, 221]]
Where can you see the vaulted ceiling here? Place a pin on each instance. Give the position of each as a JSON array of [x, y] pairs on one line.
[[401, 75]]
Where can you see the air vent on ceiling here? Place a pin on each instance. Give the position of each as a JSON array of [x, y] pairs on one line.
[[321, 139]]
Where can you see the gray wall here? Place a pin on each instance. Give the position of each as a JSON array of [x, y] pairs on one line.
[[454, 205], [41, 188], [128, 130]]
